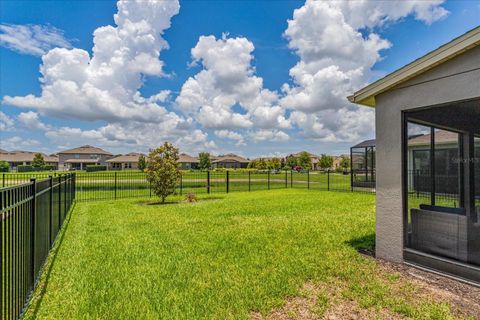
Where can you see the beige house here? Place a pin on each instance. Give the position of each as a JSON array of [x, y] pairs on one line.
[[315, 160], [16, 158], [230, 161], [337, 160], [124, 162], [188, 162], [79, 158]]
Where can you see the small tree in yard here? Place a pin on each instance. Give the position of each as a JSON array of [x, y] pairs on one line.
[[291, 162], [304, 160], [142, 163], [325, 162], [4, 166], [274, 164], [204, 160], [162, 170], [345, 162], [38, 160]]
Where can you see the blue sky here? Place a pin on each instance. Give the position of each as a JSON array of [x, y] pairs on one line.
[[302, 119]]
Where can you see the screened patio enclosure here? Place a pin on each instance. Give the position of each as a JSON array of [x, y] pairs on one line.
[[441, 156], [362, 163]]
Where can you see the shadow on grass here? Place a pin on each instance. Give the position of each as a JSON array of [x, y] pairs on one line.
[[364, 245], [42, 282]]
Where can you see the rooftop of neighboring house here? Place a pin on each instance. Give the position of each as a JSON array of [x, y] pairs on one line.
[[309, 153], [186, 158], [126, 158], [24, 156], [229, 157], [86, 149], [441, 137]]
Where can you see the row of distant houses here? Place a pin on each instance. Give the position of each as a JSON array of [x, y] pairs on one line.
[[81, 157]]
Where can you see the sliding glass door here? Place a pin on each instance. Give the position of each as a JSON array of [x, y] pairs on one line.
[[436, 216]]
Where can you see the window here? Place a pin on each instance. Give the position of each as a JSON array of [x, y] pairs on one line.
[[77, 156], [93, 156]]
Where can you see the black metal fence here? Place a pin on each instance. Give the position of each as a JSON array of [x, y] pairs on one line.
[[32, 214], [125, 184]]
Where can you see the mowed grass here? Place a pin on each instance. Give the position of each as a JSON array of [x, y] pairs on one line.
[[219, 258]]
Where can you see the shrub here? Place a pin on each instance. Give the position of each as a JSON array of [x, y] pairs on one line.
[[30, 168], [162, 170], [4, 166], [204, 160], [92, 168], [25, 168], [142, 164], [38, 161]]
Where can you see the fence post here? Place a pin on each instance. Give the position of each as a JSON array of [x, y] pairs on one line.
[[115, 185], [74, 184], [50, 214], [291, 178], [286, 179], [32, 227], [208, 181], [268, 179], [59, 201], [228, 181], [181, 183], [308, 179], [328, 179], [351, 179], [3, 180], [249, 181], [65, 198]]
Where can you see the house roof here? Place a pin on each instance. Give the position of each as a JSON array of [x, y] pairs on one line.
[[86, 149], [3, 151], [131, 157], [25, 156], [441, 137], [465, 42], [185, 158], [310, 154], [230, 158], [365, 144]]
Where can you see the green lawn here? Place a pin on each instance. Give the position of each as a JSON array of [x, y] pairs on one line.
[[220, 258]]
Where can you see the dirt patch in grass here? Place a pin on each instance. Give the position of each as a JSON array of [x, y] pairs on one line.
[[411, 285], [321, 301], [463, 298]]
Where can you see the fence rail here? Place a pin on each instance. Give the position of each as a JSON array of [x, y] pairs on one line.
[[118, 185], [113, 185], [32, 214]]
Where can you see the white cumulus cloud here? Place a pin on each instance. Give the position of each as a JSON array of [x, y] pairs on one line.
[[32, 39], [105, 86], [226, 93], [337, 47]]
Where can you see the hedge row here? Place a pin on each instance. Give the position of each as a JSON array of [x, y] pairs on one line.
[[92, 168], [30, 168]]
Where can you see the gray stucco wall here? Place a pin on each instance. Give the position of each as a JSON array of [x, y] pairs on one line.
[[455, 80]]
